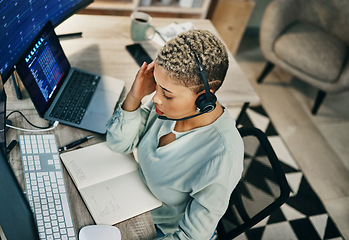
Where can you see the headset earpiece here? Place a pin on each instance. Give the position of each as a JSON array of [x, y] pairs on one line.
[[206, 103]]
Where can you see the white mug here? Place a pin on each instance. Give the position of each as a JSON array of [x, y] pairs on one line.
[[140, 24]]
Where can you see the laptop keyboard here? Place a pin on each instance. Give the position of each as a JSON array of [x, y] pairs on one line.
[[45, 187], [75, 98]]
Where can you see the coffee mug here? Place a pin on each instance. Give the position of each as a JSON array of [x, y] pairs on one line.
[[140, 24]]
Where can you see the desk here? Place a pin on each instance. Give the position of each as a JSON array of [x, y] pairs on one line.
[[102, 50]]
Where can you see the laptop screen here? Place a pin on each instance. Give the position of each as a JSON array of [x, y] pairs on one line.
[[43, 68]]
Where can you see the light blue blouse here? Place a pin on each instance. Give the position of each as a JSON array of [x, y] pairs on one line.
[[193, 176]]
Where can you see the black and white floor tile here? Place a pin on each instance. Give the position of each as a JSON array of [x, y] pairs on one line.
[[303, 216]]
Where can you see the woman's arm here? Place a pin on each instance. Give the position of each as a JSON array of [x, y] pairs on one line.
[[202, 214], [127, 125]]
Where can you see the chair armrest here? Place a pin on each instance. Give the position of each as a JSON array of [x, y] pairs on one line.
[[341, 85], [343, 81], [273, 159]]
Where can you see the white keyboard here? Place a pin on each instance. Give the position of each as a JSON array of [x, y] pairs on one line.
[[45, 187]]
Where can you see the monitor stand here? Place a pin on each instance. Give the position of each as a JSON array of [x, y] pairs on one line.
[[16, 86], [70, 35]]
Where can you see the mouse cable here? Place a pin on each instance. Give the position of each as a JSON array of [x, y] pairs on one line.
[[49, 127]]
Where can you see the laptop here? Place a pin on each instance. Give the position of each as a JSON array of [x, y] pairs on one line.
[[51, 82]]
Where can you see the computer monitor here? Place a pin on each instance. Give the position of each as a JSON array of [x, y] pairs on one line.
[[2, 118], [16, 217], [5, 147], [21, 20]]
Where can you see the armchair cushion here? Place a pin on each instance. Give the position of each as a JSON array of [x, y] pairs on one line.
[[313, 51]]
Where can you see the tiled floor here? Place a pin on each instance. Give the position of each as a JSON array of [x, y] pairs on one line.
[[303, 216], [319, 143]]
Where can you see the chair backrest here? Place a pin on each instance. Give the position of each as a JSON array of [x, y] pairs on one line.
[[262, 189], [331, 16]]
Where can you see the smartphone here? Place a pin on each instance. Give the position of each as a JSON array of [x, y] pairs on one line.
[[138, 53]]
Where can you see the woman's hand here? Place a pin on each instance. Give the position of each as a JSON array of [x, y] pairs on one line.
[[143, 85]]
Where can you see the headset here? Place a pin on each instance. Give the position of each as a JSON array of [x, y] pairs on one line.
[[205, 102]]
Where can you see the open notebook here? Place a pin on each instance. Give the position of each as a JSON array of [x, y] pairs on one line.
[[109, 183]]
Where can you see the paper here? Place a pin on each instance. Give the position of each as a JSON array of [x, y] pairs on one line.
[[109, 183], [172, 30]]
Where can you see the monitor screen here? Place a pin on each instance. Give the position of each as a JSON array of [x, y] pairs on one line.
[[16, 217], [20, 22], [2, 118]]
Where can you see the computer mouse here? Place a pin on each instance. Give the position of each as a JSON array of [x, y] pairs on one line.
[[99, 232]]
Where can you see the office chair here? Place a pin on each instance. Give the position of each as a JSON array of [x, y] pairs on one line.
[[262, 189], [310, 40]]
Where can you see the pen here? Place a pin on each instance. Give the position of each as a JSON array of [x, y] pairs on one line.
[[74, 144]]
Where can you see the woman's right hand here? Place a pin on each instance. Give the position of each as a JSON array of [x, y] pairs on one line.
[[143, 85]]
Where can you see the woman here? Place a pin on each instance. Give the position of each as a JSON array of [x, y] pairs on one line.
[[190, 161]]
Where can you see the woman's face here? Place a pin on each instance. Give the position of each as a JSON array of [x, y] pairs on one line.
[[172, 100]]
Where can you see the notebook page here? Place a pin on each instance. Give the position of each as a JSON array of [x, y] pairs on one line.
[[96, 163], [118, 199]]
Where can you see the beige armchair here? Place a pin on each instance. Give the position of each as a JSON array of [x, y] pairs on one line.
[[310, 40]]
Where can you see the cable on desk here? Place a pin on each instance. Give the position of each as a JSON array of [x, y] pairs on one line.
[[40, 129], [34, 130]]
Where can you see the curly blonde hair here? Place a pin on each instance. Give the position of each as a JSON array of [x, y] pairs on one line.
[[177, 57]]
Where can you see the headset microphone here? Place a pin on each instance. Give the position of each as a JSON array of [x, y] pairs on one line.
[[180, 119]]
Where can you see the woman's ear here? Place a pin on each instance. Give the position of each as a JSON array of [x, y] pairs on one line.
[[203, 91], [199, 93]]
